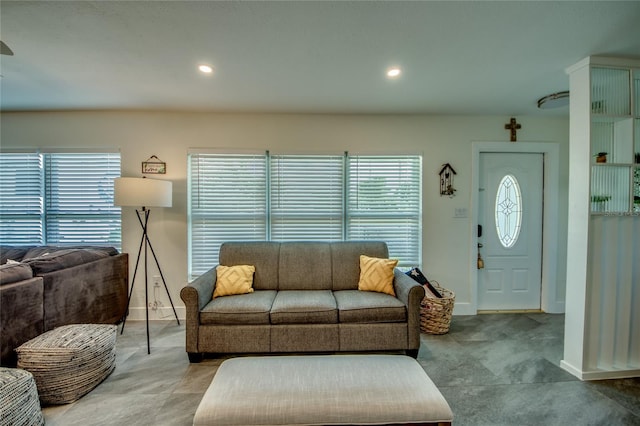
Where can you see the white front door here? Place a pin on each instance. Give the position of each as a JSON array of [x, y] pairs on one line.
[[510, 213]]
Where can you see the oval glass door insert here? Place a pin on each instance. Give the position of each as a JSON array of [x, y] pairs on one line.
[[508, 211]]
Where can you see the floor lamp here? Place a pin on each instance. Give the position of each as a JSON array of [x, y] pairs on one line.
[[136, 192]]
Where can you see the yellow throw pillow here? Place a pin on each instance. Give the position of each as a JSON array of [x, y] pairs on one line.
[[233, 280], [377, 274]]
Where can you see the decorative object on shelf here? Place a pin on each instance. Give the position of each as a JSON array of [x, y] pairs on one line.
[[601, 157], [554, 100], [636, 190], [446, 180], [131, 191], [154, 166], [598, 107], [599, 202], [513, 126]]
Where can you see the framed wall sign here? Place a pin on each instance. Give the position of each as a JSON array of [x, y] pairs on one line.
[[154, 165]]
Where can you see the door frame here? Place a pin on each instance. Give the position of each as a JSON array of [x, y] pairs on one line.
[[550, 194]]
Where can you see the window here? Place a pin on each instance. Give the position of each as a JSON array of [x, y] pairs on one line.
[[21, 199], [227, 202], [307, 198], [244, 197], [384, 203], [508, 211], [59, 199]]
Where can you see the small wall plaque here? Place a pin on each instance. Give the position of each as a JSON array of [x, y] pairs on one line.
[[154, 166]]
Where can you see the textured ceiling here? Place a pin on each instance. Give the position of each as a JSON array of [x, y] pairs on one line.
[[312, 57]]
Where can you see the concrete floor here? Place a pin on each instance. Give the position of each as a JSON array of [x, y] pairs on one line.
[[494, 369]]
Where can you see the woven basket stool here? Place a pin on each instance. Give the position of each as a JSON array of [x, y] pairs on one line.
[[69, 361], [19, 404]]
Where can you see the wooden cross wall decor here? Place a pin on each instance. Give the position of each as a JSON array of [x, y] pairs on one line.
[[513, 126]]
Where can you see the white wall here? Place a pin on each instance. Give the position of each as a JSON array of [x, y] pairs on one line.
[[169, 135]]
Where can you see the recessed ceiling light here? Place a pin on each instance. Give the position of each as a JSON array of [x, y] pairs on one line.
[[205, 69], [394, 72]]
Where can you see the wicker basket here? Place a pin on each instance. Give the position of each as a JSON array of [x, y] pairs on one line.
[[435, 313]]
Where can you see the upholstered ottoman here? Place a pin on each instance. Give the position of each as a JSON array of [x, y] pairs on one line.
[[19, 403], [322, 390], [69, 361]]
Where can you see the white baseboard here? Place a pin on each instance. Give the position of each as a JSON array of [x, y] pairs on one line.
[[468, 309], [463, 309], [161, 314], [598, 374]]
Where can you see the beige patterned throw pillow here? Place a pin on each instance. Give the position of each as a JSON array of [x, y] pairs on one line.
[[233, 280], [377, 274]]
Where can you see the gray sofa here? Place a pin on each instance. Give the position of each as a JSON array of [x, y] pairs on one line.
[[305, 299], [45, 287]]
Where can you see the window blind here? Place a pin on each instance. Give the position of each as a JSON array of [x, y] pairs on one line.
[[384, 203], [241, 197], [79, 199], [59, 199], [21, 199], [306, 198], [227, 202]]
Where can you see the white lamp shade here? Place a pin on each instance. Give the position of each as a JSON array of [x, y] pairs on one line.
[[142, 192]]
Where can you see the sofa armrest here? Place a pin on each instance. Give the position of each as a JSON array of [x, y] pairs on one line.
[[409, 292], [195, 296], [199, 292]]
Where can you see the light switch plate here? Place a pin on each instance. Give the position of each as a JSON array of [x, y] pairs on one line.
[[460, 212]]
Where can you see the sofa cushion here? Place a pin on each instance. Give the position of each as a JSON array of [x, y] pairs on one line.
[[244, 309], [16, 253], [377, 274], [14, 272], [345, 261], [62, 259], [356, 306], [38, 251], [304, 307], [262, 255], [305, 266], [232, 280]]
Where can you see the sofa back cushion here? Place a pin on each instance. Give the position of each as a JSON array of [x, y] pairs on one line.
[[305, 266], [345, 259], [302, 265], [62, 259], [37, 251], [15, 253], [263, 255]]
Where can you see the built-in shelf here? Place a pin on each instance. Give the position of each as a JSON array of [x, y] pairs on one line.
[[614, 138], [602, 308]]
